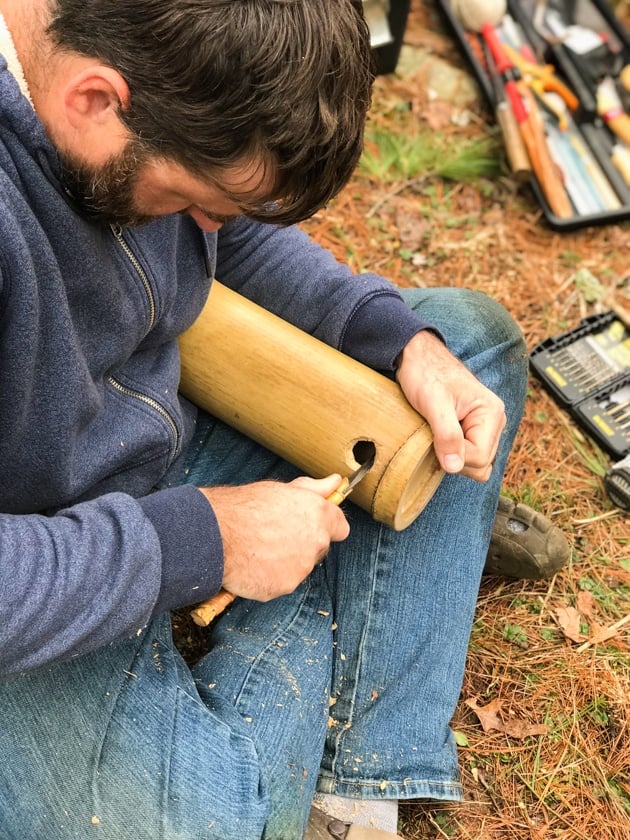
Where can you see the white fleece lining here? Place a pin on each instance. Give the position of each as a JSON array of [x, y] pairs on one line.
[[7, 49]]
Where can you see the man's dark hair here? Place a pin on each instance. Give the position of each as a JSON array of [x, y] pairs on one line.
[[214, 82]]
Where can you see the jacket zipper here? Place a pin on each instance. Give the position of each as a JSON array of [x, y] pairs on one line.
[[154, 404], [117, 231], [123, 389]]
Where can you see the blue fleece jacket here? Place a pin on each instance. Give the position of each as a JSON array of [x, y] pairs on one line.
[[90, 416]]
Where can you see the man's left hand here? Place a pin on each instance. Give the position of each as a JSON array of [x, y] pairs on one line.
[[466, 418]]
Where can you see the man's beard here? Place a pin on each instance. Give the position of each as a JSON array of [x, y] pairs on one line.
[[105, 193]]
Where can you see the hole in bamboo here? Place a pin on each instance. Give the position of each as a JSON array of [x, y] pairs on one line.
[[363, 451]]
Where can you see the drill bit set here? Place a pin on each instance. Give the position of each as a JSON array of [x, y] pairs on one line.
[[587, 371]]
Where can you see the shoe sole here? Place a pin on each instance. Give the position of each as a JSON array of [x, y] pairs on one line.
[[525, 544]]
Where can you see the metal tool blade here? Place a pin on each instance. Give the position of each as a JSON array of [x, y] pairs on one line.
[[359, 474]]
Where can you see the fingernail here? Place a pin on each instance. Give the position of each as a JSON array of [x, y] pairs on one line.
[[453, 463]]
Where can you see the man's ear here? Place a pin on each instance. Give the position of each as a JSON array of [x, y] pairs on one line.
[[95, 96]]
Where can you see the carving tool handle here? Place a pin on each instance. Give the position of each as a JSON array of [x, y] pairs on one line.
[[611, 110], [341, 492], [542, 163], [506, 69], [504, 66], [514, 146], [504, 113], [207, 611]]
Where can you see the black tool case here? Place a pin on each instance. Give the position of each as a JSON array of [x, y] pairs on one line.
[[581, 73], [587, 372]]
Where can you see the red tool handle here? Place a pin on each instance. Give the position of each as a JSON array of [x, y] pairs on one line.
[[506, 68], [511, 90], [496, 48]]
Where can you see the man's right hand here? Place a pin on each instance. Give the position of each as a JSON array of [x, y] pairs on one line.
[[275, 533]]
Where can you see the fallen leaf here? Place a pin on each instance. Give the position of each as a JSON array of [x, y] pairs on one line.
[[586, 603], [413, 229], [568, 619], [438, 114], [518, 728], [488, 715], [515, 727], [601, 634], [460, 739]]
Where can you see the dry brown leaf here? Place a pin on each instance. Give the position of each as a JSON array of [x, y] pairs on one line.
[[490, 719], [413, 229], [568, 619], [488, 715], [438, 114], [586, 603], [601, 634], [518, 728]]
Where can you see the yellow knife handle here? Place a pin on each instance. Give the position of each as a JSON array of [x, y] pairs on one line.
[[340, 493]]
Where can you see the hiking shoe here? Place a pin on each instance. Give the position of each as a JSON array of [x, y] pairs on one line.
[[524, 544], [322, 827]]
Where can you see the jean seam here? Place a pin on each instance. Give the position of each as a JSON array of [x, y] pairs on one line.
[[121, 689], [338, 739]]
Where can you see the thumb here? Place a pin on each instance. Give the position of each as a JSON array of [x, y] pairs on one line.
[[449, 444], [322, 486]]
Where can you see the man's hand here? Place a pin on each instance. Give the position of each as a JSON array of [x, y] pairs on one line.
[[465, 417], [274, 533]]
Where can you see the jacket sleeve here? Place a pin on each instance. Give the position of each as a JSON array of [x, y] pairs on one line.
[[98, 571], [281, 269]]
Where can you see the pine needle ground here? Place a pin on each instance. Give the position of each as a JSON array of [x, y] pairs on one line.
[[433, 204]]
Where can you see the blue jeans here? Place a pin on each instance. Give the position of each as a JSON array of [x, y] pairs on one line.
[[347, 685]]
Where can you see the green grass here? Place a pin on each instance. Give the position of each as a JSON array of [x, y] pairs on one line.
[[392, 157]]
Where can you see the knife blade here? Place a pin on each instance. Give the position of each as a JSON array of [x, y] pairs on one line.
[[350, 482]]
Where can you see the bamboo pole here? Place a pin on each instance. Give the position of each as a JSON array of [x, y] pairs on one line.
[[310, 404]]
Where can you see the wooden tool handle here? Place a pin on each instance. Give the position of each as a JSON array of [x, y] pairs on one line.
[[514, 146], [543, 165], [619, 123], [207, 611], [611, 110], [621, 160]]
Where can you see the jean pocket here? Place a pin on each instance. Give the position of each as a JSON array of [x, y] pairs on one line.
[[215, 788]]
